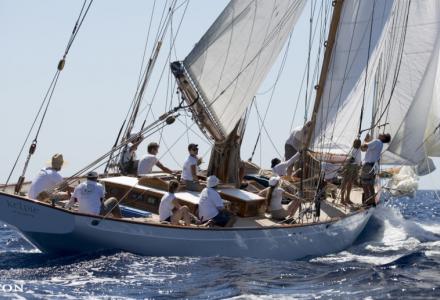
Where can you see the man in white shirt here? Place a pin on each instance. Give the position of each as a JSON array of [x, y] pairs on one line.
[[373, 150], [90, 195], [281, 168], [150, 160], [47, 179], [189, 172], [295, 142], [211, 205]]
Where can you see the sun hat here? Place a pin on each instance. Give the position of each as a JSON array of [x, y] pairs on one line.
[[212, 181], [273, 181], [57, 161]]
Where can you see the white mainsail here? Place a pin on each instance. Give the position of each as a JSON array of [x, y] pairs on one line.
[[358, 34], [234, 56]]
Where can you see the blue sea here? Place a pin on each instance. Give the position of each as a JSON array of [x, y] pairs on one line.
[[397, 256]]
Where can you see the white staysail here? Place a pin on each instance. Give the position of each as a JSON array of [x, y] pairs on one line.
[[234, 56], [406, 62], [414, 113], [358, 34]]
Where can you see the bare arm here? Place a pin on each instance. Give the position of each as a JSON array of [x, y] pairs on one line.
[[291, 196], [194, 172], [263, 192], [163, 168], [176, 203]]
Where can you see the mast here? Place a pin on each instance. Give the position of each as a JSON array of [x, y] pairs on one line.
[[225, 156], [337, 4]]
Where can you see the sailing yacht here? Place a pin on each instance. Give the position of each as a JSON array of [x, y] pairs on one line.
[[371, 45]]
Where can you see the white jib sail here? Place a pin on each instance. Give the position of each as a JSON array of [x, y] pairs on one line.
[[234, 56], [414, 111], [359, 31]]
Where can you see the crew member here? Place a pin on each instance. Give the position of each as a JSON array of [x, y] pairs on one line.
[[91, 197], [373, 150], [150, 160], [47, 179]]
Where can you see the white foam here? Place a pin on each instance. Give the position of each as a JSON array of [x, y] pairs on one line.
[[434, 228], [399, 237], [346, 256]]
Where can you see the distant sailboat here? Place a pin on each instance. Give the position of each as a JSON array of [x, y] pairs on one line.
[[371, 46]]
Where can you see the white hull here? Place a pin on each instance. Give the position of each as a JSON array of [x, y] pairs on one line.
[[54, 230]]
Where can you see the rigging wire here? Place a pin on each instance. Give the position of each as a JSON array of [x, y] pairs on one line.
[[149, 68], [309, 52], [397, 71], [317, 63], [280, 71], [265, 129], [366, 70], [166, 119], [163, 69], [48, 97]]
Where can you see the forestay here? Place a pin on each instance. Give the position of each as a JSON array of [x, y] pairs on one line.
[[357, 40], [234, 56]]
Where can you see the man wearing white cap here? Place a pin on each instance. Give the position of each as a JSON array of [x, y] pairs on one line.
[[90, 195], [47, 179], [211, 204]]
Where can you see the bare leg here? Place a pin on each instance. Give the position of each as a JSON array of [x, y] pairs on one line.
[[186, 215], [181, 214]]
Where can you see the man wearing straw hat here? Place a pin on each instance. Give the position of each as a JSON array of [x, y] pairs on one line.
[[47, 179]]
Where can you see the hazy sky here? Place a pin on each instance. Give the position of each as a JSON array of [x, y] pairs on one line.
[[100, 77]]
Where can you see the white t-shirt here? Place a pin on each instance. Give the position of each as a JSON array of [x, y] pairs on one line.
[[373, 152], [166, 206], [46, 179], [146, 164], [296, 137], [275, 202], [89, 195], [209, 204], [281, 168], [186, 172], [356, 154]]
